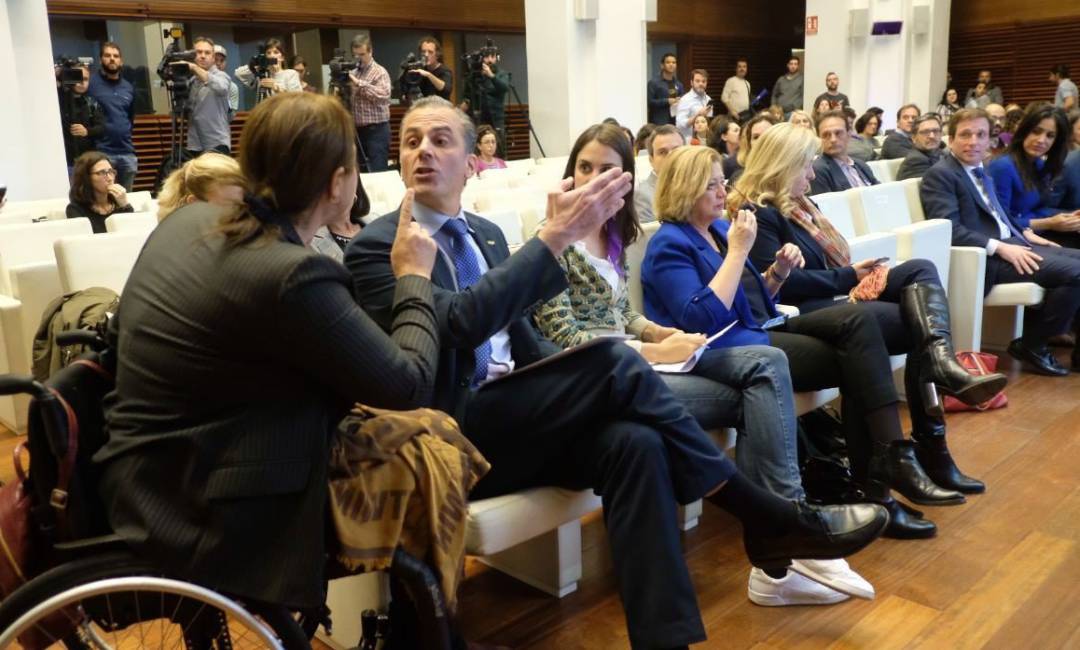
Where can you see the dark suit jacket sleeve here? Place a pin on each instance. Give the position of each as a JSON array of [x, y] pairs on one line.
[[692, 304], [914, 166], [329, 337], [940, 191], [803, 284], [658, 95], [823, 178], [466, 318]]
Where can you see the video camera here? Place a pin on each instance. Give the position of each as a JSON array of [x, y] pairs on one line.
[[259, 64], [474, 61], [340, 67], [174, 70], [69, 70], [411, 81], [411, 63]]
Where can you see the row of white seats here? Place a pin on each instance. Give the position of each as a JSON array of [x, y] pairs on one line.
[[56, 208], [897, 208]]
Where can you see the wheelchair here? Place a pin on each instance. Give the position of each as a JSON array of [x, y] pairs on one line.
[[89, 590]]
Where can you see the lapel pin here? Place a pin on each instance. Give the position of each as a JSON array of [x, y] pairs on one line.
[[490, 242]]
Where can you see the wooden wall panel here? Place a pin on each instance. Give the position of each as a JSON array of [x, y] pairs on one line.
[[1018, 55], [969, 14], [677, 19]]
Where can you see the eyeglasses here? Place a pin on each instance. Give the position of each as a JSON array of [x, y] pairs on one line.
[[104, 172], [929, 131]]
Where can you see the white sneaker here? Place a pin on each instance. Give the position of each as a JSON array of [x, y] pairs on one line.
[[792, 589], [835, 574]]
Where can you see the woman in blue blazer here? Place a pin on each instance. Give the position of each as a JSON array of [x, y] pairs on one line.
[[907, 300], [696, 276], [1024, 173]]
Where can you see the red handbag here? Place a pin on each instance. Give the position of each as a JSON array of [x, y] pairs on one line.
[[978, 364], [15, 542]]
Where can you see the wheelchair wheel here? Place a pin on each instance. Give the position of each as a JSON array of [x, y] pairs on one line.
[[118, 601]]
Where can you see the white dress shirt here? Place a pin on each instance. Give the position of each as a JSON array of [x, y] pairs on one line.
[[502, 361], [688, 106]]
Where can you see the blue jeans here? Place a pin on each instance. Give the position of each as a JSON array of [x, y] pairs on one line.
[[749, 388], [126, 165], [375, 146]]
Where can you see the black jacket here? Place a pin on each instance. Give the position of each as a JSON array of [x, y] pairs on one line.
[[80, 109], [897, 144], [487, 97], [829, 177], [917, 162], [659, 93], [504, 297], [234, 367]]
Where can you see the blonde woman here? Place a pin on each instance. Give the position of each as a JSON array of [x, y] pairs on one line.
[[211, 178], [801, 118], [696, 277]]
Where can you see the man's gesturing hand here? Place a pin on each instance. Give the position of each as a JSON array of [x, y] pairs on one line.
[[574, 213]]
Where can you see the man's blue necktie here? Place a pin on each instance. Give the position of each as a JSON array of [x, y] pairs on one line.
[[468, 273], [988, 186]]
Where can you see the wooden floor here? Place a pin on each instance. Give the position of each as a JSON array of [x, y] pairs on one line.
[[1003, 572]]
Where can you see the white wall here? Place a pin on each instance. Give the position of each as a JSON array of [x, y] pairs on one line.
[[32, 164], [885, 71]]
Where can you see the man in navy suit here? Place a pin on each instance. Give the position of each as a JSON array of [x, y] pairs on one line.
[[957, 188], [926, 147], [834, 169], [598, 418]]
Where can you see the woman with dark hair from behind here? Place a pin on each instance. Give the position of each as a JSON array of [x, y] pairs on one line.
[[641, 140], [949, 104], [95, 194], [239, 351], [749, 134], [724, 135], [1024, 173]]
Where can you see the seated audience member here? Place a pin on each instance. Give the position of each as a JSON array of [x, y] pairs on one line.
[[925, 150], [978, 98], [1012, 120], [331, 239], [696, 276], [1074, 130], [907, 300], [957, 188], [600, 418], [212, 178], [242, 349], [801, 118], [663, 141], [950, 103], [701, 131], [747, 387], [863, 143], [95, 194], [997, 114], [898, 143], [823, 106], [641, 138], [1023, 176], [776, 112], [750, 132], [487, 143], [281, 79], [992, 90], [1067, 187], [724, 135], [834, 169]]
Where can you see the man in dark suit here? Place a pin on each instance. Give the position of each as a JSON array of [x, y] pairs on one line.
[[957, 188], [834, 169], [664, 92], [599, 417], [898, 142], [926, 149]]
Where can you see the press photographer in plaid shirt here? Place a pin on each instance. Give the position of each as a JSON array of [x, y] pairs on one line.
[[370, 85]]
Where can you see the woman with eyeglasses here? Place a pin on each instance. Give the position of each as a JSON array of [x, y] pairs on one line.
[[95, 194]]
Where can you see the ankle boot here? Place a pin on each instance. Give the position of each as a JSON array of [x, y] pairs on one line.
[[933, 454], [904, 522], [925, 310], [894, 465]]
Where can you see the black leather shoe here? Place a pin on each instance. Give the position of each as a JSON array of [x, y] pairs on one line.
[[895, 466], [906, 522], [823, 533], [1039, 361], [933, 454]]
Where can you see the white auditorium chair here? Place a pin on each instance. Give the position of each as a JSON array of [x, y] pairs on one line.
[[140, 201], [888, 207], [39, 207], [525, 164], [556, 161], [885, 170], [102, 260], [9, 217], [836, 206], [530, 204], [143, 222], [509, 222], [29, 281], [969, 309]]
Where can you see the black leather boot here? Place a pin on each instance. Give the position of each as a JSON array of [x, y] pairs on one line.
[[904, 522], [933, 454], [925, 310], [822, 533], [895, 466]]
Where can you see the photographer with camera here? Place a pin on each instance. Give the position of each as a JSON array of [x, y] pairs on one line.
[[208, 99], [116, 97], [369, 102], [485, 90], [81, 117], [426, 76], [266, 74]]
